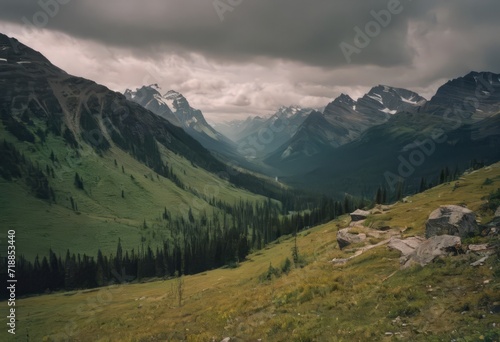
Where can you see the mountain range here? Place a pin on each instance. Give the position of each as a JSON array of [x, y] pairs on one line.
[[350, 146]]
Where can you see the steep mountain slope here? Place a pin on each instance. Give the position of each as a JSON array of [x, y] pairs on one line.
[[174, 104], [344, 120], [408, 147], [314, 136], [469, 98], [368, 298], [81, 166]]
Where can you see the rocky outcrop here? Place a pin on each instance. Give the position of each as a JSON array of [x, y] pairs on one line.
[[359, 215], [344, 238], [451, 220], [432, 248]]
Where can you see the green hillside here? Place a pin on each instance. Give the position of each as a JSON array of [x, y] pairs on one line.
[[368, 298], [102, 214]]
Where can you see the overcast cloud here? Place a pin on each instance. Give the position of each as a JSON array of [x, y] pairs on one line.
[[264, 54]]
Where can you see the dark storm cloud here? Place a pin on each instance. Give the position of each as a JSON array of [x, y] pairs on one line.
[[289, 48], [306, 31], [297, 30]]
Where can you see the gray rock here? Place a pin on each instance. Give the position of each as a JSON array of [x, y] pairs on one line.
[[497, 213], [406, 246], [432, 248], [344, 238], [479, 248], [451, 220], [480, 262], [359, 215]]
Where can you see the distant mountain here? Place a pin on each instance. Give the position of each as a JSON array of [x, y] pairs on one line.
[[236, 129], [343, 121], [174, 107], [471, 98], [409, 147], [265, 137], [388, 100], [150, 98], [460, 124]]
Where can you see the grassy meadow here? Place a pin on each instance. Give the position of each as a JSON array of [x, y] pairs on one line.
[[367, 299]]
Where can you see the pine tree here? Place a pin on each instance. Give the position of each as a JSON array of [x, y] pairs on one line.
[[378, 196], [423, 185]]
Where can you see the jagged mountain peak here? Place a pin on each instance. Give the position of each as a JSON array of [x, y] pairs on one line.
[[172, 94], [390, 100], [344, 100], [149, 97], [474, 96], [290, 110], [176, 100]]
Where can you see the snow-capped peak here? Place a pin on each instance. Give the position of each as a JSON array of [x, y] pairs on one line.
[[155, 86], [172, 98], [288, 111]]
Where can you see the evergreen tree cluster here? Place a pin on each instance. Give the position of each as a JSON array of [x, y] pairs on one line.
[[195, 245]]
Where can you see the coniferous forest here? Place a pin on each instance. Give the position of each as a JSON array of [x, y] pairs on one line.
[[195, 245]]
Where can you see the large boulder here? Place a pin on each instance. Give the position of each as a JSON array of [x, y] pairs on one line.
[[344, 238], [451, 220], [432, 248], [359, 215]]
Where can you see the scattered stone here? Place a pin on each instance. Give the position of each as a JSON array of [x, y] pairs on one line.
[[482, 250], [451, 220], [478, 248], [385, 207], [480, 262], [432, 248], [336, 261], [389, 333], [344, 238], [497, 212], [227, 339], [359, 215]]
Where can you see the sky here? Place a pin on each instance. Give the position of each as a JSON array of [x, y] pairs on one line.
[[235, 58]]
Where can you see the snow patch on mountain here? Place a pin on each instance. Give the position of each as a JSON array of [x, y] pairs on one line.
[[377, 98]]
